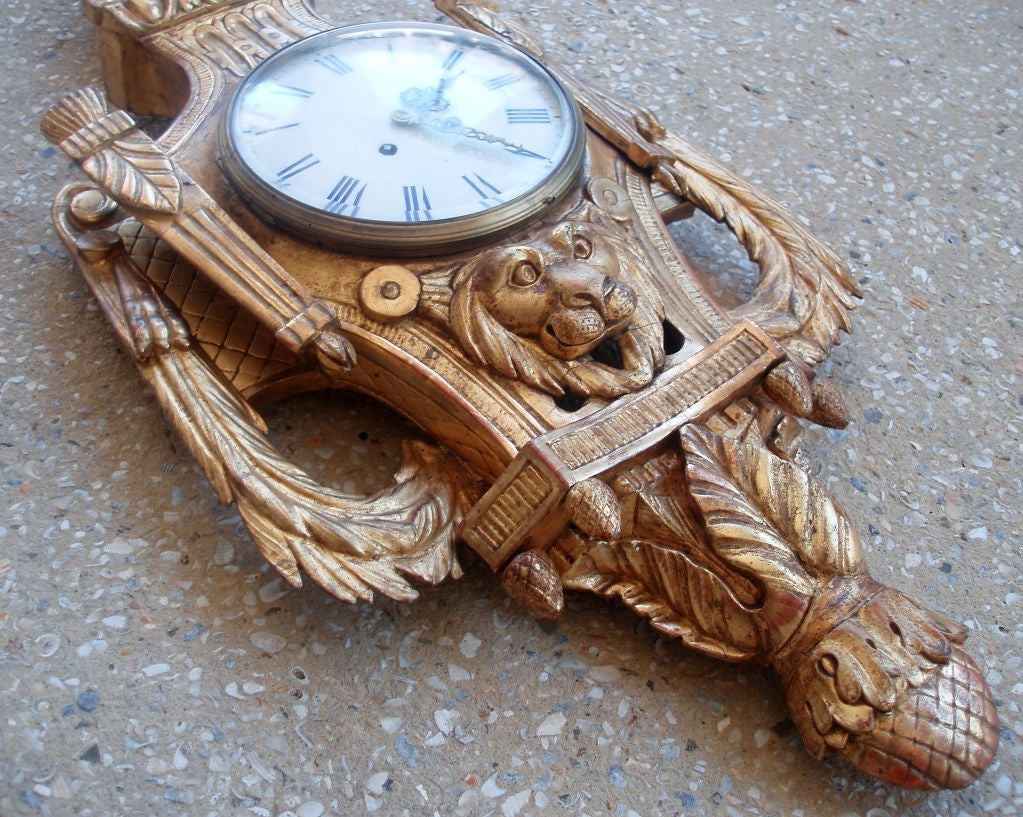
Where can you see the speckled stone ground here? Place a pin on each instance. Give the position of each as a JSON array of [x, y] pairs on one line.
[[150, 663]]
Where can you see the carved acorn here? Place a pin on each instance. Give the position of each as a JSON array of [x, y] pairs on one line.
[[532, 580], [829, 407], [594, 509], [787, 386]]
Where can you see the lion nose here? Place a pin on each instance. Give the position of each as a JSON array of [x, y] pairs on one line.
[[584, 289]]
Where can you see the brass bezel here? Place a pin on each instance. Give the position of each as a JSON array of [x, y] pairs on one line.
[[400, 238]]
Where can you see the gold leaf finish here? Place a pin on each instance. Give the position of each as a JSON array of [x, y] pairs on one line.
[[805, 291], [594, 509], [680, 597], [829, 407], [787, 386], [893, 692], [352, 546], [756, 505], [869, 673], [638, 440]]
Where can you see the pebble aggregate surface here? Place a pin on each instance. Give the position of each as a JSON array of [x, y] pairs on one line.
[[151, 663]]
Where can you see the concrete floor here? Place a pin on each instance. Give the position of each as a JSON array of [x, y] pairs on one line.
[[150, 662]]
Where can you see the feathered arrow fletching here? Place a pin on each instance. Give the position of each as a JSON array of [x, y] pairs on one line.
[[124, 162]]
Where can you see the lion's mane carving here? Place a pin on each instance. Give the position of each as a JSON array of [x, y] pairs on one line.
[[573, 310]]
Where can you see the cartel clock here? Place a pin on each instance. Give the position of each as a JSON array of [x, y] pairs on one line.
[[401, 138], [636, 438]]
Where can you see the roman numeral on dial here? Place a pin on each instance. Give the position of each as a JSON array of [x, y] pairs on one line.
[[481, 186], [453, 58], [341, 197], [501, 81], [417, 205], [298, 166], [332, 63], [527, 116]]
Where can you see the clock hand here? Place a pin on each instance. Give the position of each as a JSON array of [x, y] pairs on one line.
[[439, 103], [429, 101], [453, 124], [511, 147]]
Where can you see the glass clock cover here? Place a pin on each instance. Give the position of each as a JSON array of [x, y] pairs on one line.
[[401, 138]]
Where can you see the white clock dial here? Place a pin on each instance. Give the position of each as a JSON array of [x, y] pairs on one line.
[[401, 138]]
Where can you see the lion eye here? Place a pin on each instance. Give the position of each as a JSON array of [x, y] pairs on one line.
[[524, 275], [582, 247]]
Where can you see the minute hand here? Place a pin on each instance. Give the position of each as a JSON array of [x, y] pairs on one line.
[[518, 150]]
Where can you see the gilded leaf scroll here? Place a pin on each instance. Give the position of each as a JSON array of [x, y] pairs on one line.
[[767, 514], [351, 545], [680, 597]]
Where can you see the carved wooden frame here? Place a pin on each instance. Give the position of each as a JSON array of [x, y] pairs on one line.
[[668, 480]]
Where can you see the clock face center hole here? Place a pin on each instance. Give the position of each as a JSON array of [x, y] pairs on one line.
[[387, 149]]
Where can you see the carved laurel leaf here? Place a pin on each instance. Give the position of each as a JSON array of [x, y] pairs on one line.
[[679, 596], [805, 292], [352, 546], [767, 514]]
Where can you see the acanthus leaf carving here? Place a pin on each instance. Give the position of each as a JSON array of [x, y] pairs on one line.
[[354, 546], [680, 597], [767, 514]]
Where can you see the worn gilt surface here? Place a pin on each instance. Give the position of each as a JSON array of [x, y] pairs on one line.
[[623, 433]]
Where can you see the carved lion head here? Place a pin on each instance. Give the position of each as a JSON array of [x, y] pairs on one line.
[[539, 311], [562, 292]]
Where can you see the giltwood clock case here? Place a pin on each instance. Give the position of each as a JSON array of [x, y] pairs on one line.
[[636, 440]]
